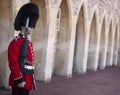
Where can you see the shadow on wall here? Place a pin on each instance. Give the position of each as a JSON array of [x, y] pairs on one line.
[[5, 37]]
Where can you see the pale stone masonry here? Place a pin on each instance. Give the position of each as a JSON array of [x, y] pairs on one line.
[[71, 36]]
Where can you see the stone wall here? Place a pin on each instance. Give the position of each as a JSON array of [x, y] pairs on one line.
[[71, 36]]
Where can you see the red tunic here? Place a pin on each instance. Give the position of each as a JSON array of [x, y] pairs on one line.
[[13, 56]]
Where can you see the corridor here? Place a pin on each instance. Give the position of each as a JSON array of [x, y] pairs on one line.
[[102, 82]]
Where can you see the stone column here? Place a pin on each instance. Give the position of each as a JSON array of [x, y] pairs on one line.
[[106, 45], [110, 45], [71, 47], [116, 44], [81, 45], [63, 39], [93, 27], [46, 71], [112, 50]]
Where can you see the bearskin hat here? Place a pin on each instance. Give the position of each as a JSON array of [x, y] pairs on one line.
[[30, 10]]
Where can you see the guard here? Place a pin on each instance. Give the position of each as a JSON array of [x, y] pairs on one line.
[[20, 51]]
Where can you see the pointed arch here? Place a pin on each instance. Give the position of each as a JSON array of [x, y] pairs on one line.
[[109, 45], [93, 40], [102, 44], [80, 42], [63, 38]]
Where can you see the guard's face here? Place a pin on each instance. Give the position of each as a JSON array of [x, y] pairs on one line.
[[30, 30]]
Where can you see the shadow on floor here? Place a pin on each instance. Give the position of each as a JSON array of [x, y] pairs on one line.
[[102, 82]]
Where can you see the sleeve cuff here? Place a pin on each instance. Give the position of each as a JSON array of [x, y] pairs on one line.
[[18, 80]]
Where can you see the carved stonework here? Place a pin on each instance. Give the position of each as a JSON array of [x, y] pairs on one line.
[[90, 6], [115, 14], [116, 11], [75, 6], [101, 7], [109, 9], [108, 6], [54, 3], [117, 8]]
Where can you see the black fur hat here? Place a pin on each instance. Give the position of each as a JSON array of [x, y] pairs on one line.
[[30, 10]]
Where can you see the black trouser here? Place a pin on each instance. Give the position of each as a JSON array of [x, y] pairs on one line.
[[19, 91]]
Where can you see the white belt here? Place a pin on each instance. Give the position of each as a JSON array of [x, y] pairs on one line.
[[29, 67]]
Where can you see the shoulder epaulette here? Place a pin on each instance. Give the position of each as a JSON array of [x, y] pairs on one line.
[[16, 37]]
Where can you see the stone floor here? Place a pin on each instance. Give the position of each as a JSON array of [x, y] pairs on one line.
[[102, 82]]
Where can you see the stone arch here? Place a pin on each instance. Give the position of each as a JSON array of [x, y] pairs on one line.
[[39, 38], [62, 44], [102, 44], [93, 40], [80, 40], [5, 33], [115, 49], [109, 46]]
